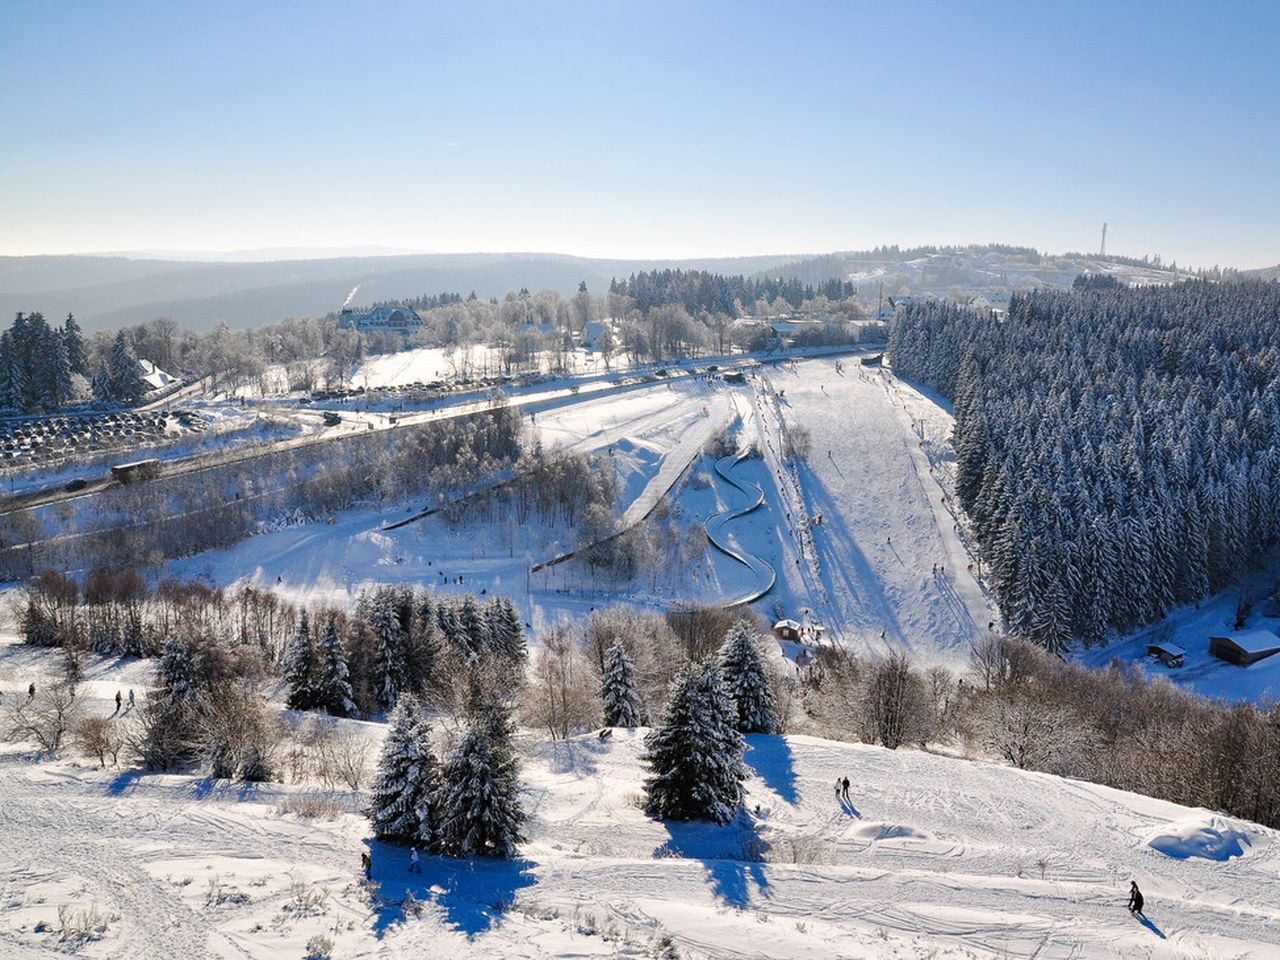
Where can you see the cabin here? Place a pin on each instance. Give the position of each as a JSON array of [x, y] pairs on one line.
[[1244, 648], [786, 630], [1169, 654], [873, 361], [402, 319], [734, 376]]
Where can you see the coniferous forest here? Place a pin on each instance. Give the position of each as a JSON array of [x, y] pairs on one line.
[[1117, 449]]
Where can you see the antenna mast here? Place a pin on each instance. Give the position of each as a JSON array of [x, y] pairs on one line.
[[1104, 240]]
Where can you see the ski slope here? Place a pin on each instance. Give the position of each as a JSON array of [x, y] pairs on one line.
[[935, 858]]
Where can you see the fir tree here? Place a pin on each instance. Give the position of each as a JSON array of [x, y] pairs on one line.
[[127, 385], [389, 639], [618, 690], [333, 685], [74, 342], [745, 679], [101, 387], [695, 755], [401, 805], [506, 633], [478, 803], [299, 666], [474, 626]]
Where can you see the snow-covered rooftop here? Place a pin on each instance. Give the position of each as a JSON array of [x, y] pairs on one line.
[[1253, 641]]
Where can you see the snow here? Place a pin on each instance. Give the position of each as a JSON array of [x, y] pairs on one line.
[[937, 857], [1206, 836]]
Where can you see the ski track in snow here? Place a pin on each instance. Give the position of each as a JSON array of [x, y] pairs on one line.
[[939, 858]]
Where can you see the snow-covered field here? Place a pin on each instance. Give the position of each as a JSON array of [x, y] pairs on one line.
[[935, 858]]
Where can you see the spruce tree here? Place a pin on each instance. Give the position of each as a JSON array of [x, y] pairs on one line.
[[101, 387], [74, 342], [401, 804], [695, 755], [746, 680], [127, 385], [389, 640], [299, 666], [333, 684], [618, 690], [506, 633], [474, 626], [478, 803]]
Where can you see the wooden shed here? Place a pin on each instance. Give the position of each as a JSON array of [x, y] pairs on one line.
[[1244, 648], [1170, 654], [786, 630]]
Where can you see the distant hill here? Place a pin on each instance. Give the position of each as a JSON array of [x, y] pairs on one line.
[[106, 292], [1265, 273]]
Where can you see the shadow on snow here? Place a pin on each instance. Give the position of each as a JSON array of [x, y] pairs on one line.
[[732, 856], [471, 895], [770, 759]]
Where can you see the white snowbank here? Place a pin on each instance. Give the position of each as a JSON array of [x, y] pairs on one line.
[[1206, 836]]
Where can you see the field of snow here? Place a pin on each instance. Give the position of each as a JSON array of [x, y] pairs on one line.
[[936, 857]]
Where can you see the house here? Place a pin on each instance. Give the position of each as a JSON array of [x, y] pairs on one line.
[[380, 318], [786, 630], [1170, 654], [1244, 648], [595, 335], [154, 377]]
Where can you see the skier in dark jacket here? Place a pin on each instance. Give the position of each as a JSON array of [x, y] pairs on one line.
[[845, 790], [119, 700], [1135, 898]]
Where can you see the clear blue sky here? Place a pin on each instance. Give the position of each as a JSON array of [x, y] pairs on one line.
[[641, 129]]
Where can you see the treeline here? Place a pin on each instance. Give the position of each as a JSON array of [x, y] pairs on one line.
[[699, 290], [1117, 451], [45, 368]]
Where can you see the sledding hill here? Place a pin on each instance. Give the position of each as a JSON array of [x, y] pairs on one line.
[[936, 857]]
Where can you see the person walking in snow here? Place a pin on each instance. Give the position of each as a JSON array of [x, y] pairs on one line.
[[839, 783], [119, 701], [414, 866], [845, 790], [1135, 898], [131, 699], [366, 864], [31, 691]]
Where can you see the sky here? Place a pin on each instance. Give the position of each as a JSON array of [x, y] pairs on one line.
[[641, 129]]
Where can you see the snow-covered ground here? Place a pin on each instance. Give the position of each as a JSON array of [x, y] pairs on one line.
[[935, 858]]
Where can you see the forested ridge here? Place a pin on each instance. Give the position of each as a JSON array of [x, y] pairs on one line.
[[1116, 448]]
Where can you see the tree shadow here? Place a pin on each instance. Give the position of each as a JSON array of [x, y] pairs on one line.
[[577, 756], [771, 760], [732, 855], [472, 895], [1142, 919], [124, 781]]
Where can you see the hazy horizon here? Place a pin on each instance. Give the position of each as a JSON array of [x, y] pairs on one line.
[[661, 131]]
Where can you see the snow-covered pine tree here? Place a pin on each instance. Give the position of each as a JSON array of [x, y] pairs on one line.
[[622, 706], [101, 387], [474, 626], [478, 803], [695, 755], [389, 668], [333, 684], [74, 341], [400, 807], [170, 709], [746, 680], [127, 385], [506, 634], [299, 666]]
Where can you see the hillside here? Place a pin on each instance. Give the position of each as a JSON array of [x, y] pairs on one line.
[[935, 858], [106, 292]]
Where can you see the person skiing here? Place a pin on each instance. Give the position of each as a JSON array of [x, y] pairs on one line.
[[414, 866], [845, 791], [366, 864], [119, 701], [1135, 898]]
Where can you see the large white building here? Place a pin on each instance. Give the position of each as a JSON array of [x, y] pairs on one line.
[[380, 318]]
